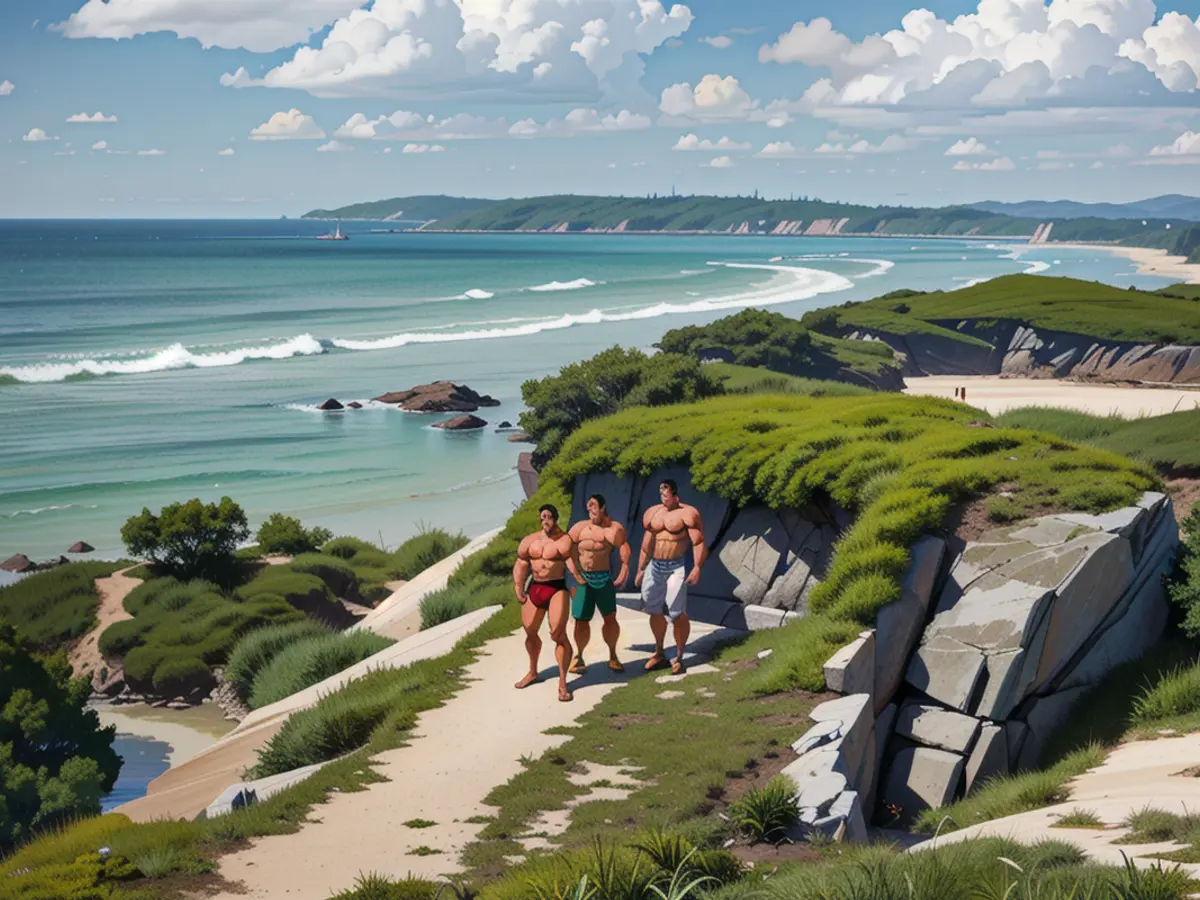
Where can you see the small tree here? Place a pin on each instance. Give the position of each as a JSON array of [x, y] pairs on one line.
[[752, 337], [1184, 588], [56, 762], [188, 540], [285, 534]]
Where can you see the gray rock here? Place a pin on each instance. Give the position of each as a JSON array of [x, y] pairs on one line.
[[921, 778], [1008, 678], [791, 589], [1015, 733], [899, 625], [857, 722], [848, 808], [1043, 719], [868, 787], [821, 761], [852, 669], [933, 726], [946, 669], [747, 558], [820, 791], [989, 756], [758, 618], [820, 735]]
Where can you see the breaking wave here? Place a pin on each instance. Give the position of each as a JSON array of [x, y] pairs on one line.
[[577, 284]]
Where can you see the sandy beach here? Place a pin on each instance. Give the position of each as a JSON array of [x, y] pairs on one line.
[[187, 731], [997, 395], [1149, 261]]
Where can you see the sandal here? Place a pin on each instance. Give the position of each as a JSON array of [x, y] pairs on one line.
[[565, 696], [578, 666], [614, 665], [526, 682], [678, 668], [657, 661]]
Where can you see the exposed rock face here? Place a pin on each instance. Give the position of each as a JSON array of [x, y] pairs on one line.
[[330, 405], [441, 396], [354, 404], [80, 547], [18, 564], [528, 474], [462, 423]]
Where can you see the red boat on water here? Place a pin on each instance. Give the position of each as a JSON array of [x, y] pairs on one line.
[[336, 236]]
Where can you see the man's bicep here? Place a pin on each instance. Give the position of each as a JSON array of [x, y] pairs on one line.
[[620, 538]]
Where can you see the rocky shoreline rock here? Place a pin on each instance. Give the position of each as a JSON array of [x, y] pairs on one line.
[[440, 396], [462, 423]]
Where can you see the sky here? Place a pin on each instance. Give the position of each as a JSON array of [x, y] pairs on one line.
[[262, 108]]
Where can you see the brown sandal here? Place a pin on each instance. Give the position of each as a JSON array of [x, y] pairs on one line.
[[657, 661], [678, 668], [526, 682], [578, 666], [614, 665], [565, 696]]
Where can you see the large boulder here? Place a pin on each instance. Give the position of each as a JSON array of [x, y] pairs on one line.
[[919, 778], [440, 396], [462, 423], [18, 564], [330, 405], [898, 625]]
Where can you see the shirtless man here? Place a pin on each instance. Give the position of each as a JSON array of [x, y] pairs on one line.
[[670, 528], [545, 553], [595, 539]]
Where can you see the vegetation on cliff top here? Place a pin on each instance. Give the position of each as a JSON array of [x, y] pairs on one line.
[[53, 607], [1058, 304]]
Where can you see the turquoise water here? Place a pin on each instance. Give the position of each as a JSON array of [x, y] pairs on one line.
[[143, 363], [142, 760]]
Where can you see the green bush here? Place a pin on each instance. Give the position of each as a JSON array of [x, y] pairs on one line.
[[285, 535], [460, 598], [1184, 589], [378, 887], [1176, 694], [295, 587], [310, 661], [181, 676], [423, 550], [766, 813], [337, 574], [257, 648], [53, 607], [349, 547], [190, 539], [374, 567], [752, 337]]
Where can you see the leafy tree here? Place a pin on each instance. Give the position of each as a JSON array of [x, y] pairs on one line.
[[188, 540], [285, 534], [610, 381], [1184, 588], [752, 337], [56, 762]]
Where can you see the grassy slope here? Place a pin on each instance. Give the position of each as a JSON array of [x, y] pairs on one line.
[[51, 608], [1061, 304], [753, 380]]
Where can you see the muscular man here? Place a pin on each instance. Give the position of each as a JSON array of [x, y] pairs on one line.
[[545, 553], [595, 539], [670, 528]]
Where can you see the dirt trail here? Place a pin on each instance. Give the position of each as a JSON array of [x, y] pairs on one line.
[[85, 655], [462, 750]]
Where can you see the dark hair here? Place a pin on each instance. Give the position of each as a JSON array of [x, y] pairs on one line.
[[670, 483], [599, 498], [550, 508]]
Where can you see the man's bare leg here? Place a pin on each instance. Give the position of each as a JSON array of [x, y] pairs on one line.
[[611, 632], [658, 627], [683, 629], [583, 634], [560, 614], [531, 620]]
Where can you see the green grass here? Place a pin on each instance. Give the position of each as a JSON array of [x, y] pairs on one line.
[[373, 886], [862, 356], [1007, 795], [310, 661], [1170, 441], [766, 813], [1059, 304], [374, 567], [460, 598], [257, 648], [875, 316], [1079, 818], [419, 823], [1174, 701], [53, 607], [747, 380]]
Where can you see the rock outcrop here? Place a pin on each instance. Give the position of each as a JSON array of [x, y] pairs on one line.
[[330, 405], [440, 396], [18, 564], [80, 547], [462, 423]]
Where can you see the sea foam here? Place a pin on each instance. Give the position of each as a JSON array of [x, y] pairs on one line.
[[476, 294], [577, 284]]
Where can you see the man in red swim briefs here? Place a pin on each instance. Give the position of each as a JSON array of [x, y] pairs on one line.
[[545, 553]]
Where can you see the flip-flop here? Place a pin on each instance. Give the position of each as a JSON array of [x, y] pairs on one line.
[[578, 666], [678, 668], [565, 696], [614, 665], [657, 661], [526, 682]]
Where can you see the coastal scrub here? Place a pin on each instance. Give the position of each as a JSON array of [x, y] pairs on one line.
[[53, 607]]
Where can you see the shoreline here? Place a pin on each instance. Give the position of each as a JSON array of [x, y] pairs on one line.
[[1149, 260], [997, 395], [186, 732]]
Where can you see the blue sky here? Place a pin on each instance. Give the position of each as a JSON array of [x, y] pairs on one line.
[[227, 108]]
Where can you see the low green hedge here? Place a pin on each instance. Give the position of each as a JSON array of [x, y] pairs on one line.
[[53, 607], [257, 648], [460, 598], [181, 676], [310, 661]]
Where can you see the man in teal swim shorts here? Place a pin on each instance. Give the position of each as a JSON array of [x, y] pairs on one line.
[[594, 540]]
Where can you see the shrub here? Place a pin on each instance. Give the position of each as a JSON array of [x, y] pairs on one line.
[[752, 337], [257, 648], [190, 539], [297, 588], [1175, 694], [766, 813], [423, 550], [53, 607], [338, 576], [349, 547], [181, 676], [456, 600], [310, 661], [379, 887], [285, 535], [1184, 588]]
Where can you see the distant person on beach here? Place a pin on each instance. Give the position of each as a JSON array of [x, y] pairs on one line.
[[962, 393], [670, 527], [956, 393], [594, 540], [545, 554]]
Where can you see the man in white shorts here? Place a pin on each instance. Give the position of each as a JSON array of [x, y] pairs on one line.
[[671, 527]]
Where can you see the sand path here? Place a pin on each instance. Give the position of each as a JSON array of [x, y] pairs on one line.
[[85, 655], [996, 395], [462, 750], [1135, 775]]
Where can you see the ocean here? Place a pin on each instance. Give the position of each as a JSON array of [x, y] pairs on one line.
[[147, 362]]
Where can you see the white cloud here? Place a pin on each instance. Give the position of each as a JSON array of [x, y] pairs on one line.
[[969, 147], [416, 48], [719, 162], [290, 125], [36, 135], [1187, 144], [720, 41], [96, 119], [779, 150], [693, 142], [100, 145], [228, 151], [403, 125], [1000, 164], [713, 99], [334, 147], [6, 88], [1006, 54], [581, 121], [893, 143], [423, 148], [153, 152], [830, 148]]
